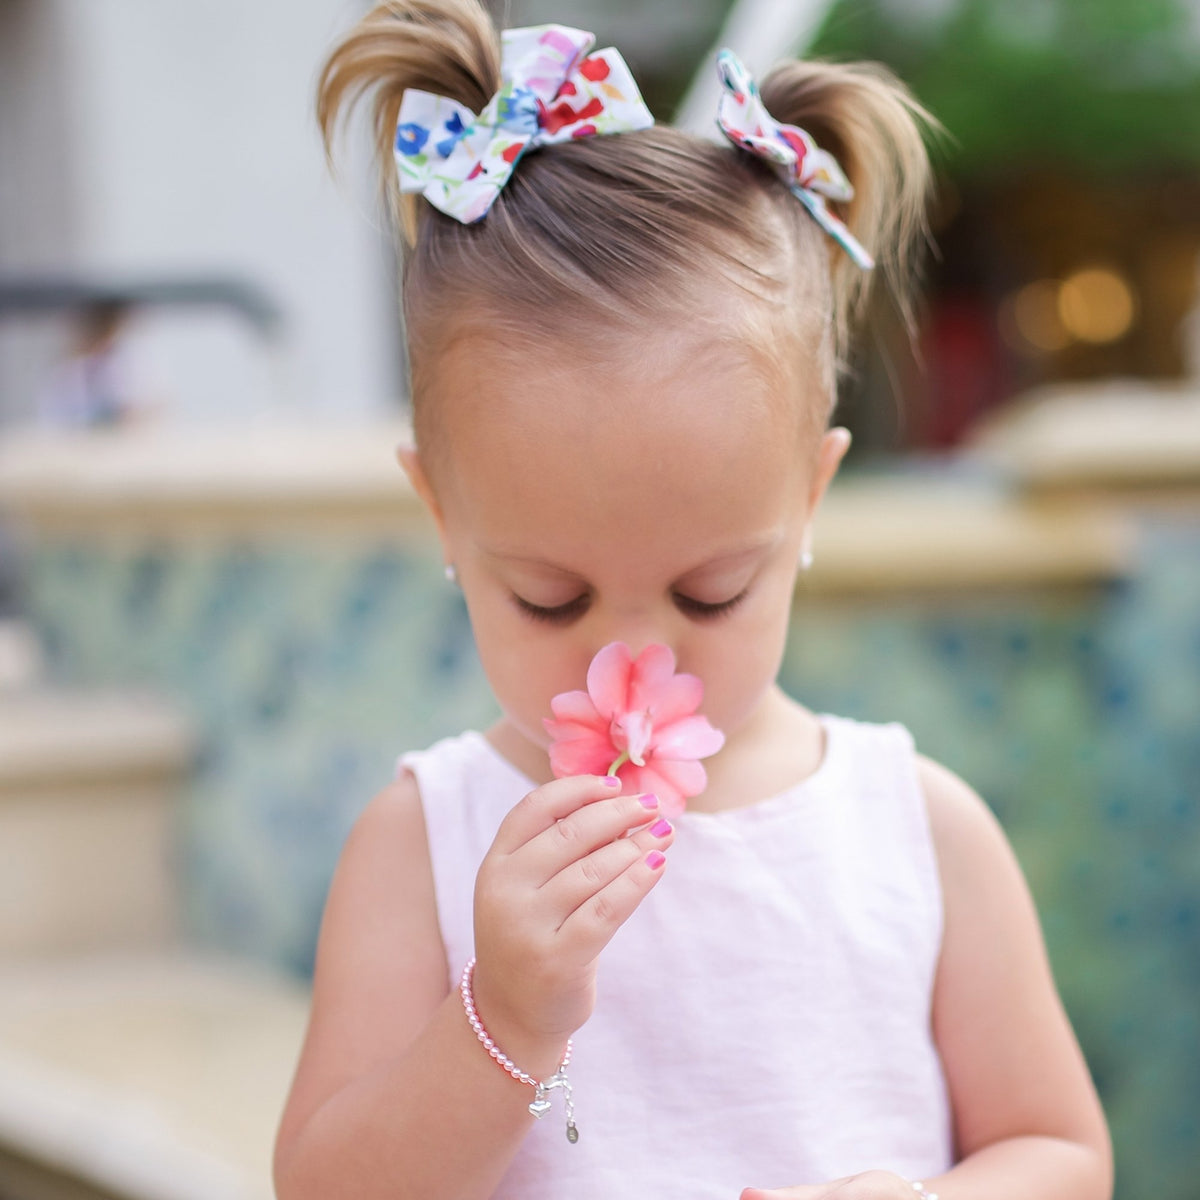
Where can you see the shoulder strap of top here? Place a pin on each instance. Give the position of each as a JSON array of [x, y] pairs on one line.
[[466, 790], [890, 811]]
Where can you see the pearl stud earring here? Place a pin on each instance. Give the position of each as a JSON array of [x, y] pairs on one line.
[[451, 574], [806, 559]]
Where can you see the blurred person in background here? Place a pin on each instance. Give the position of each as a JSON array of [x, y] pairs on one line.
[[106, 380]]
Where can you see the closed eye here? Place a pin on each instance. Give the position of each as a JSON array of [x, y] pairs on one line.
[[560, 614], [703, 611]]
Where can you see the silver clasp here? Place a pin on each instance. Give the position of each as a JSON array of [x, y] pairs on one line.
[[541, 1101]]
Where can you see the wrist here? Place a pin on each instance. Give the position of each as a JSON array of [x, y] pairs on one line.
[[537, 1051], [543, 1084]]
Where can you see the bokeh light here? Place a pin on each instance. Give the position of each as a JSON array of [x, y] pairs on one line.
[[1030, 318], [1096, 305]]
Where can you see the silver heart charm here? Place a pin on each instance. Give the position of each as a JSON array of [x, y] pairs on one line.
[[540, 1107]]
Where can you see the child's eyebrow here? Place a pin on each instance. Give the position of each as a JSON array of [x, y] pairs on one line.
[[758, 547], [527, 560]]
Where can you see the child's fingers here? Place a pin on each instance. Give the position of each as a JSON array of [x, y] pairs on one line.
[[547, 804], [591, 926], [578, 835], [582, 879]]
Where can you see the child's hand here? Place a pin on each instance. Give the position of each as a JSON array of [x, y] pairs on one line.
[[556, 885], [873, 1185]]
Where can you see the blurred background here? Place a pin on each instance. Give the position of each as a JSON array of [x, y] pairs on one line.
[[222, 615]]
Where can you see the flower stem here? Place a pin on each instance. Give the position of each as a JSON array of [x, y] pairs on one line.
[[618, 763]]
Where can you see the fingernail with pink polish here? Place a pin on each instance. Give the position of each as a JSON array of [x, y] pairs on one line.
[[611, 781], [655, 859], [649, 800], [661, 828]]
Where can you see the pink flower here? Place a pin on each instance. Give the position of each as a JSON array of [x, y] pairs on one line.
[[638, 721]]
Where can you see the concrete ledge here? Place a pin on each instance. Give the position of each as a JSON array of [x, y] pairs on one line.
[[1125, 435], [171, 479], [53, 737], [150, 1078], [917, 534]]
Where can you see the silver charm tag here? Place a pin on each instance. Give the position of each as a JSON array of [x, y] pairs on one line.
[[572, 1133]]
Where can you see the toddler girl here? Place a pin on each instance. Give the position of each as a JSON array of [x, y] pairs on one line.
[[824, 976]]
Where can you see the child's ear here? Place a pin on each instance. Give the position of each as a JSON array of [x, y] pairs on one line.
[[833, 449], [410, 461]]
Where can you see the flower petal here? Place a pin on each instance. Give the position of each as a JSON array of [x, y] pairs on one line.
[[676, 697], [671, 801], [581, 756], [576, 706], [572, 731], [652, 670], [630, 775], [686, 775], [692, 737], [608, 679]]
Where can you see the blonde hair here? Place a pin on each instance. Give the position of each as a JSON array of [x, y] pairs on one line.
[[609, 231]]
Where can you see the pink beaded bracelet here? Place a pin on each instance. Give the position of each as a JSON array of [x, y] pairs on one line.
[[919, 1188], [540, 1105]]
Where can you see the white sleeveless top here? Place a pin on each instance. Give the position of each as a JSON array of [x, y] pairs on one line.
[[763, 1018]]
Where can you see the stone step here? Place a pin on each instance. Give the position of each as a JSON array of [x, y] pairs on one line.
[[20, 655], [143, 1077], [88, 783]]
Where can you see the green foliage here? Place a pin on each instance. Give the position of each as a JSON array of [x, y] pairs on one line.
[[1094, 84]]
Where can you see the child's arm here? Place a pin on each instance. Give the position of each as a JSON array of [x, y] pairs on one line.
[[394, 1096], [1027, 1121]]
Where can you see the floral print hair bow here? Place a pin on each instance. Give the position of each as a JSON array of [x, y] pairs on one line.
[[551, 90], [812, 174]]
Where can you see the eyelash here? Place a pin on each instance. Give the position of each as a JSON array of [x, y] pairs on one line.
[[697, 608], [561, 614]]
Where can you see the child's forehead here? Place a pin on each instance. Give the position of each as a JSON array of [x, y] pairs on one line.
[[683, 426]]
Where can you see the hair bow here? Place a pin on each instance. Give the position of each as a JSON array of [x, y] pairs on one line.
[[812, 174], [551, 91]]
